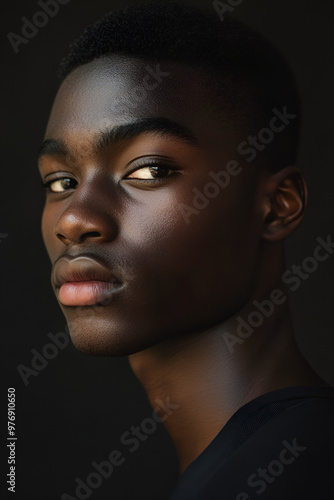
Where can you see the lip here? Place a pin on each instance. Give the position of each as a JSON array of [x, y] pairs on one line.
[[84, 282]]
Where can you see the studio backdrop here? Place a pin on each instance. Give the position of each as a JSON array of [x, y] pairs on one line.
[[71, 410]]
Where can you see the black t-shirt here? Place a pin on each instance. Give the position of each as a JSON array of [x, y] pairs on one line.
[[278, 446]]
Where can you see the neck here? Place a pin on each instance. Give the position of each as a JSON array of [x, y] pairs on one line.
[[206, 376]]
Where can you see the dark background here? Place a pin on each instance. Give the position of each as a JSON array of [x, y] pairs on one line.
[[75, 410]]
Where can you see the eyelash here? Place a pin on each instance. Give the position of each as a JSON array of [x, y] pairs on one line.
[[47, 184], [145, 164], [153, 162]]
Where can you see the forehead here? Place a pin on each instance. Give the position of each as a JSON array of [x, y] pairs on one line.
[[114, 90]]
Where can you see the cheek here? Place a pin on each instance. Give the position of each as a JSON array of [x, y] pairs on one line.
[[47, 228], [218, 250], [207, 255]]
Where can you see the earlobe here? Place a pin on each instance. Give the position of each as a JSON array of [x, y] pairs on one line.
[[284, 203]]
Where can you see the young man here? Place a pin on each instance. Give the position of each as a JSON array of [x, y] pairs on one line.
[[171, 186]]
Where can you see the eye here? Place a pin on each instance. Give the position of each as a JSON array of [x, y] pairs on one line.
[[152, 171], [59, 185]]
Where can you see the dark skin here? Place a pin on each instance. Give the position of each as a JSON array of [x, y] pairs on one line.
[[185, 284]]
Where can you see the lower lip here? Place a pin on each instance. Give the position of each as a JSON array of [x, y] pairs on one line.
[[87, 293]]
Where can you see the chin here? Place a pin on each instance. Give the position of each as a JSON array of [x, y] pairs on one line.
[[102, 338]]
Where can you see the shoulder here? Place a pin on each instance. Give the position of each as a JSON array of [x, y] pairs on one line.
[[283, 448], [290, 457]]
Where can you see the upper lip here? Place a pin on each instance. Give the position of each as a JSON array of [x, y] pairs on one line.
[[81, 268]]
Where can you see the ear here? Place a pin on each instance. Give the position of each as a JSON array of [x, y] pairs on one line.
[[284, 203]]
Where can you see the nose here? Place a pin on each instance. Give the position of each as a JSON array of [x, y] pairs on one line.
[[90, 214]]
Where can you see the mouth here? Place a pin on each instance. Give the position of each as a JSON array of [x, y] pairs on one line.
[[87, 293], [84, 282]]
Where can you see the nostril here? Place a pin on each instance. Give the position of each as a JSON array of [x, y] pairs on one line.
[[82, 237], [61, 237], [89, 234], [92, 233]]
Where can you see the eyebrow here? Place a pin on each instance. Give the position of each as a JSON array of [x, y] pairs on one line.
[[109, 137]]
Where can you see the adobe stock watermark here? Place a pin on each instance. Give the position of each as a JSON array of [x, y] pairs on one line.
[[130, 440], [249, 148], [59, 341], [293, 278], [275, 468], [30, 27], [41, 358], [139, 93], [222, 7]]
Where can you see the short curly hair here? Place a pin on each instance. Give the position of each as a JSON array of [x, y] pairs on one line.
[[244, 66]]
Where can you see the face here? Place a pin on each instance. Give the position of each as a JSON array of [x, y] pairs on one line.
[[131, 153]]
